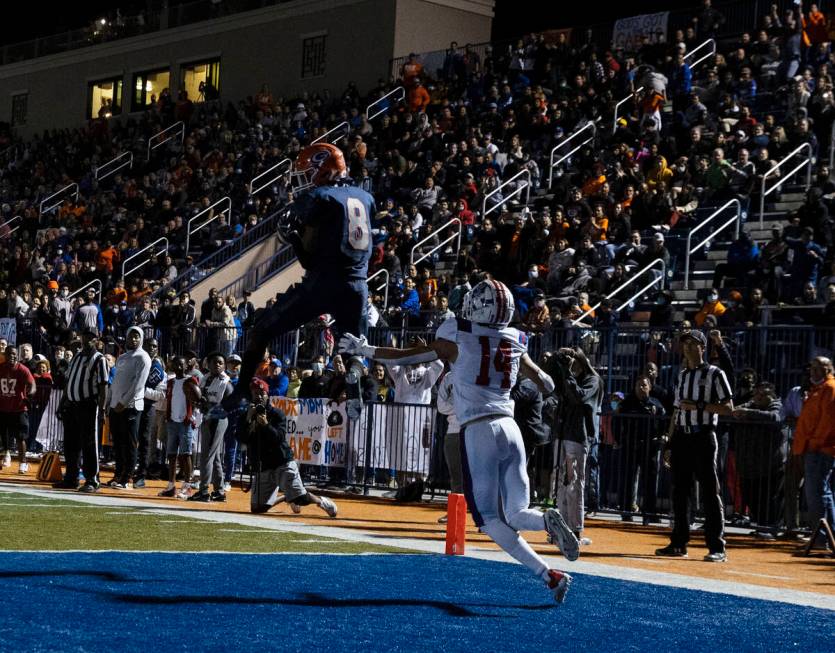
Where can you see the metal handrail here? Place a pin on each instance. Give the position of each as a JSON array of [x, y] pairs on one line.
[[56, 194], [283, 162], [625, 284], [831, 147], [8, 222], [97, 170], [145, 262], [386, 286], [439, 245], [784, 178], [709, 42], [527, 187], [190, 231], [324, 136], [631, 96], [553, 164], [737, 218], [399, 89], [87, 285], [179, 125]]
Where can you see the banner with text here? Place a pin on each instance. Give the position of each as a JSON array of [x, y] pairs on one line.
[[8, 330], [316, 430], [628, 31]]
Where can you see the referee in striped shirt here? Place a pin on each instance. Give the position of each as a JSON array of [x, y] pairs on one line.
[[83, 402], [702, 395]]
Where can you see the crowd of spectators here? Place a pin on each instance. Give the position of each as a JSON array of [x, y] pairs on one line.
[[692, 139]]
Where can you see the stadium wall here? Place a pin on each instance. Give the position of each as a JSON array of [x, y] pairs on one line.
[[254, 47]]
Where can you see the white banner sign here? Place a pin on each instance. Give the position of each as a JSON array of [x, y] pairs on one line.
[[401, 437], [316, 430], [628, 31], [8, 330]]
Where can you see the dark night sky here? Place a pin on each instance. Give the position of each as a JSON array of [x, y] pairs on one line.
[[25, 20]]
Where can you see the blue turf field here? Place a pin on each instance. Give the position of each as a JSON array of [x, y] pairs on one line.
[[121, 602]]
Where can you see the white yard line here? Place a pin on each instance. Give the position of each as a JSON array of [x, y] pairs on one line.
[[781, 595]]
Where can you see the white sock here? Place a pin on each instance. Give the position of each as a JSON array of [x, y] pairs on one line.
[[171, 484], [515, 546]]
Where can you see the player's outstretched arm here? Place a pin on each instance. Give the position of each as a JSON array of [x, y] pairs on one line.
[[532, 371], [438, 349]]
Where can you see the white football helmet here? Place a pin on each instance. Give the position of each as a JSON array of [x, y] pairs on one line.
[[490, 302]]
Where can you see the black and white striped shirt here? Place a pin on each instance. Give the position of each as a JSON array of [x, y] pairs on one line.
[[706, 383], [87, 371]]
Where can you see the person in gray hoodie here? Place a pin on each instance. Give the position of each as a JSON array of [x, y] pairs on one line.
[[580, 392], [127, 400]]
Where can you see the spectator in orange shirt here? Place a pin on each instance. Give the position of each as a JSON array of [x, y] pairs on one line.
[[411, 71], [117, 294], [106, 257], [598, 224], [814, 438], [712, 306], [814, 27], [418, 98]]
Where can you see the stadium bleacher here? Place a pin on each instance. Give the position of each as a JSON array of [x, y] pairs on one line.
[[526, 144]]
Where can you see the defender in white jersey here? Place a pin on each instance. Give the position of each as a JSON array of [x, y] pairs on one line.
[[487, 356]]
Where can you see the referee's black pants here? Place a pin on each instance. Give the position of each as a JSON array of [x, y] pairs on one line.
[[124, 429], [81, 438], [693, 455]]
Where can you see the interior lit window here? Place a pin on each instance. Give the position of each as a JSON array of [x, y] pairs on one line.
[[147, 87], [104, 98], [201, 80]]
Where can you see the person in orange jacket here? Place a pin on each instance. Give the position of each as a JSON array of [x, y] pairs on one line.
[[814, 438]]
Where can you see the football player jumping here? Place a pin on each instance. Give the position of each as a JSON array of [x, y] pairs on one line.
[[329, 228], [486, 356]]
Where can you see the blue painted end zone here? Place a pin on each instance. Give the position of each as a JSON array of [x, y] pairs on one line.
[[217, 602]]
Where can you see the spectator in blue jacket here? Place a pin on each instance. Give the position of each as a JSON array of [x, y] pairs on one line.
[[277, 380], [807, 261], [743, 257]]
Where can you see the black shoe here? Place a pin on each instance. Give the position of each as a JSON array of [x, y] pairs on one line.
[[89, 488], [203, 497], [671, 551], [66, 485], [218, 496], [139, 482], [627, 517]]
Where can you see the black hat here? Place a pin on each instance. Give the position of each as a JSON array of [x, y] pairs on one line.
[[92, 332], [696, 335]]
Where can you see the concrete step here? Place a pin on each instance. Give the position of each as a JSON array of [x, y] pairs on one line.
[[784, 206], [703, 266], [686, 295], [694, 284]]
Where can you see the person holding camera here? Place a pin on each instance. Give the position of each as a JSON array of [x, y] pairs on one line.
[[263, 429], [580, 391], [81, 409], [702, 394]]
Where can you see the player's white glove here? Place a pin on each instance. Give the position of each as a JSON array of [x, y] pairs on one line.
[[353, 346]]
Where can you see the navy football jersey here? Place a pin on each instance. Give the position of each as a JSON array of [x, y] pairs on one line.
[[341, 218]]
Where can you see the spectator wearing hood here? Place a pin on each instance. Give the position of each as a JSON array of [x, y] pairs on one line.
[[127, 400]]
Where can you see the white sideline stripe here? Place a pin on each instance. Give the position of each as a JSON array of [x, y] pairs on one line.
[[224, 553], [750, 573], [780, 595], [23, 504]]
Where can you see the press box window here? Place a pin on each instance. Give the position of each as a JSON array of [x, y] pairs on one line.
[[147, 88], [104, 99], [202, 80], [313, 56], [20, 108]]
